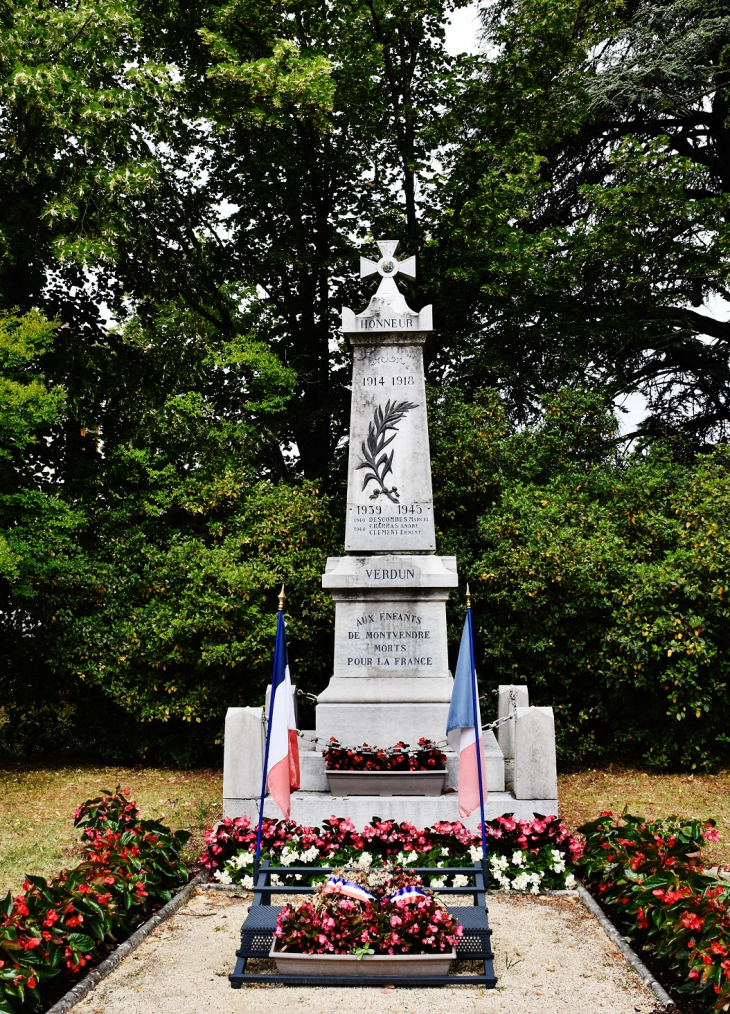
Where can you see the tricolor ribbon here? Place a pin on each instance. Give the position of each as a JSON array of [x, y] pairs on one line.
[[408, 894], [338, 885]]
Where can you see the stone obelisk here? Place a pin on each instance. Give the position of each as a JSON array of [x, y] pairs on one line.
[[391, 677]]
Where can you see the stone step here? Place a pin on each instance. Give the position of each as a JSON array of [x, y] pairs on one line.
[[312, 808]]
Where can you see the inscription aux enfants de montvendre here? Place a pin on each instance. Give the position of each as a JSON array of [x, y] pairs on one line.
[[389, 647]]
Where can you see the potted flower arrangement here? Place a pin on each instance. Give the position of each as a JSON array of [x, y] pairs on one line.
[[376, 922], [393, 771]]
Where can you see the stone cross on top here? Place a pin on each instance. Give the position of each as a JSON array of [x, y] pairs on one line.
[[387, 311], [387, 266]]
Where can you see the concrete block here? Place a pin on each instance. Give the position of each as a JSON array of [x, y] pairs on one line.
[[535, 773], [506, 732], [312, 770], [243, 752]]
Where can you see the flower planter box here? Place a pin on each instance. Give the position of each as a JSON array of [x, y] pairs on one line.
[[386, 783], [290, 963]]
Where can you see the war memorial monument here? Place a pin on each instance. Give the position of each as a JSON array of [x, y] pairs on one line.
[[390, 679]]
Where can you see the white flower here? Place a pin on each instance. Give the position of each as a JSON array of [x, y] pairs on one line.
[[438, 881], [570, 883], [223, 877], [520, 882], [365, 861], [289, 858], [247, 881], [402, 859], [558, 867], [444, 852], [460, 880], [499, 862], [518, 859], [475, 851], [440, 865], [275, 880], [243, 859], [310, 855]]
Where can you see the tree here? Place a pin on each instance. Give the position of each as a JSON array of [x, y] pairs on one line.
[[598, 581], [583, 223], [32, 515], [174, 155]]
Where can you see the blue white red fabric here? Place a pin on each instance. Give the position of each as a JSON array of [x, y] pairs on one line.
[[339, 885], [282, 769], [408, 894], [460, 730]]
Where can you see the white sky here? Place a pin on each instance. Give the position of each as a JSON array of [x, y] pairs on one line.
[[462, 30]]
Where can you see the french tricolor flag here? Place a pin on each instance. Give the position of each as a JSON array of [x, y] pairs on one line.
[[282, 767], [461, 728]]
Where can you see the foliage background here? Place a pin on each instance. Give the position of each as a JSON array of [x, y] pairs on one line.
[[206, 175]]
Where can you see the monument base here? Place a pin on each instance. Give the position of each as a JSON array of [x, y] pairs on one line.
[[314, 774]]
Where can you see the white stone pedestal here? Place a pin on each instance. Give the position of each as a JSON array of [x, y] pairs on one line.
[[391, 679]]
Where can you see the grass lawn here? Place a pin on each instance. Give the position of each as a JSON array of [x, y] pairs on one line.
[[37, 803], [36, 806], [583, 794]]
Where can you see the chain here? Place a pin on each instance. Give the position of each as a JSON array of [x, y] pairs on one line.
[[303, 693]]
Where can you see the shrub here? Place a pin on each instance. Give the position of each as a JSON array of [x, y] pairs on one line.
[[56, 928], [648, 875]]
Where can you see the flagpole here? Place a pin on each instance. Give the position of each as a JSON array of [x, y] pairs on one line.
[[477, 732], [279, 620]]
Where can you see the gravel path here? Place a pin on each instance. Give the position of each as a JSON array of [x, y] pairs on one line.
[[550, 956]]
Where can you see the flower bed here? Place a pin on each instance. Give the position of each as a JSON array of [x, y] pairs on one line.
[[428, 757], [648, 876], [57, 928], [523, 855], [373, 912]]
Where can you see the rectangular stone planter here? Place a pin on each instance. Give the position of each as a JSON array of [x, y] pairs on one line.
[[386, 783], [289, 963]]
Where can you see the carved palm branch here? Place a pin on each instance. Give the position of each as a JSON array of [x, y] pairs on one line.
[[378, 463]]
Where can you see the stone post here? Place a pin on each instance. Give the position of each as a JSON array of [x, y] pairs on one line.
[[506, 732], [243, 758], [535, 771]]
